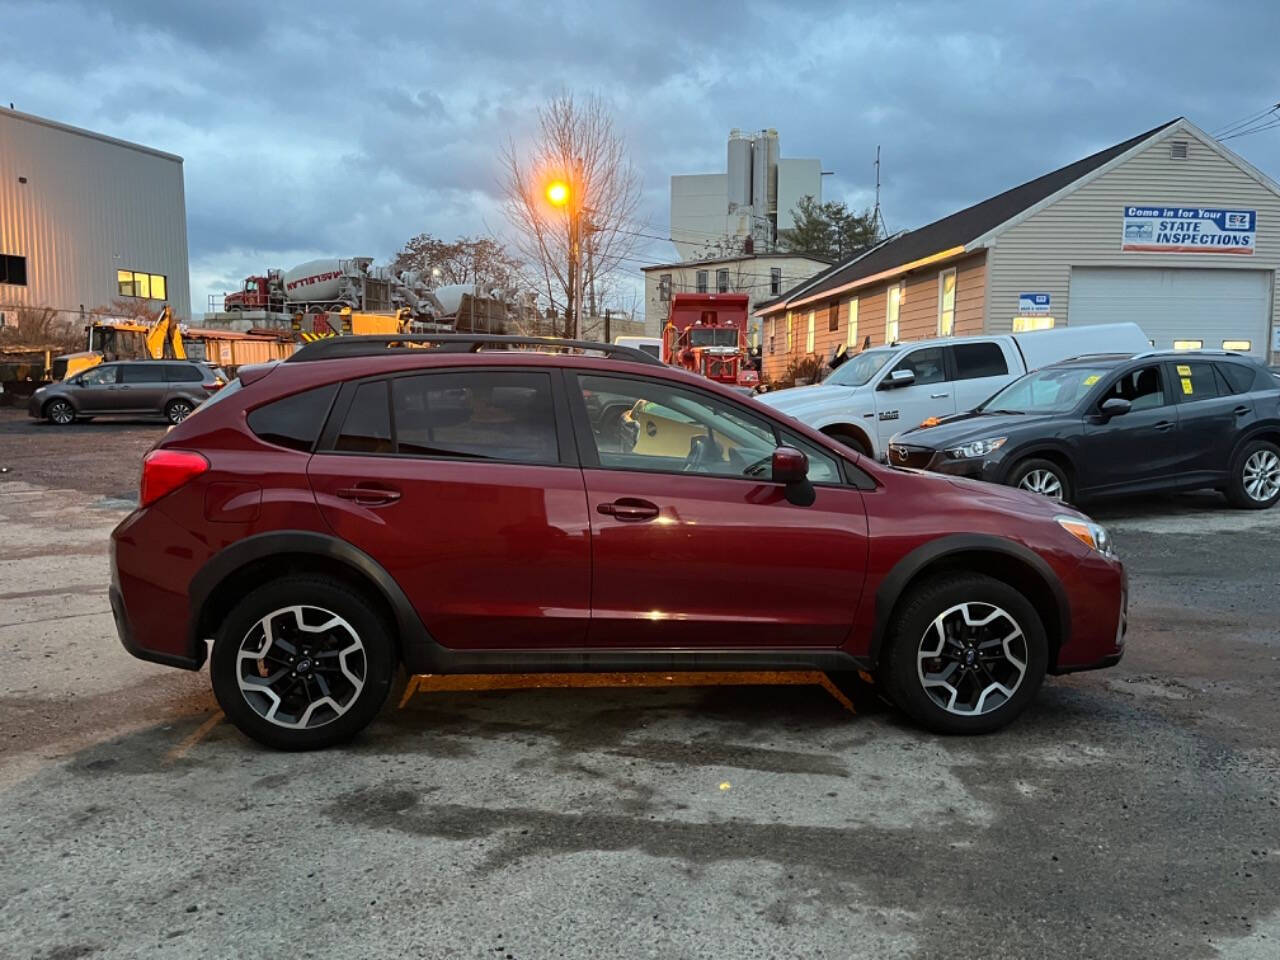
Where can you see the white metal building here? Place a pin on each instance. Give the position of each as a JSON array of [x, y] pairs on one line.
[[86, 218], [712, 214]]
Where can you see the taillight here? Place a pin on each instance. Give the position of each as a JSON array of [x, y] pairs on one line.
[[213, 387], [164, 471]]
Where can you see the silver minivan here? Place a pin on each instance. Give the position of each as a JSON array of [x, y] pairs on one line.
[[161, 388]]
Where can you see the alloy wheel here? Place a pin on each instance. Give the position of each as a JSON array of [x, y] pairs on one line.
[[1262, 476], [1042, 482], [972, 659], [301, 667], [179, 410], [61, 412]]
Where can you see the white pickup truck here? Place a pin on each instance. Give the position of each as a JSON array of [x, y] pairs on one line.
[[879, 392]]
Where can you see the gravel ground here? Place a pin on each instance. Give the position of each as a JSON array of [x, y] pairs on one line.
[[1131, 813]]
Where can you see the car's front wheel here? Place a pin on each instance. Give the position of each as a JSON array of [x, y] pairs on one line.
[[60, 412], [178, 410], [1255, 480], [302, 662], [967, 653], [1044, 477]]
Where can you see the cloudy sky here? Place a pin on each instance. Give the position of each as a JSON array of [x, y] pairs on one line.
[[323, 129]]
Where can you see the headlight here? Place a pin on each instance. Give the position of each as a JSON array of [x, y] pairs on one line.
[[1092, 535], [976, 448]]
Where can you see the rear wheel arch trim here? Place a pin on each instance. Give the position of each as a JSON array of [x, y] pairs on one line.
[[1268, 431], [833, 430], [905, 571], [413, 635]]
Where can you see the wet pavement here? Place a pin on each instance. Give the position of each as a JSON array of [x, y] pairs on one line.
[[1131, 813]]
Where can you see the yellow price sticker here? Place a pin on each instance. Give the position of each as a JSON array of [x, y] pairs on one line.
[[1093, 378], [1186, 386], [1184, 371]]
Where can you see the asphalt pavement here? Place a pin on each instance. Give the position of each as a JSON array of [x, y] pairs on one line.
[[1133, 812]]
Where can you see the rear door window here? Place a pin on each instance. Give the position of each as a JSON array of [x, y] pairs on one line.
[[367, 425], [141, 373], [976, 360], [481, 415], [292, 421], [1195, 381]]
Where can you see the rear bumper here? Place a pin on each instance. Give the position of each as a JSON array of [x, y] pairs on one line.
[[193, 661]]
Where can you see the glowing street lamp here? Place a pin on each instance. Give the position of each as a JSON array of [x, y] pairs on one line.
[[558, 193]]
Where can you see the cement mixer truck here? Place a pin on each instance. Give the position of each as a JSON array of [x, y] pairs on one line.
[[327, 286]]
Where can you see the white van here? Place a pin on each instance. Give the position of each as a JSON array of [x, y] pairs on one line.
[[879, 392], [650, 345]]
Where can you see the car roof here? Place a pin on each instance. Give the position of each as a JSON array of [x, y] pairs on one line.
[[1118, 359]]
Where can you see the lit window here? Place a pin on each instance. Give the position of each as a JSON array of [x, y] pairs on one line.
[[1188, 344], [897, 294], [808, 337], [147, 286], [947, 303], [1244, 346], [852, 341], [1023, 324], [775, 280]]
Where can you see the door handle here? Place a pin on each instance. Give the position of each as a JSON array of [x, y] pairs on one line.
[[1164, 425], [629, 509], [368, 496], [938, 396], [1242, 410]]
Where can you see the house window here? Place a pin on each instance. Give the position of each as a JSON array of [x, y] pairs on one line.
[[145, 286], [1025, 324], [852, 340], [896, 294], [788, 331], [808, 337], [700, 281], [722, 281], [775, 280], [833, 318], [13, 269], [664, 287], [947, 302]]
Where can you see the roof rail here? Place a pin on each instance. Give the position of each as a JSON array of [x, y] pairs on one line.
[[371, 345], [1201, 351]]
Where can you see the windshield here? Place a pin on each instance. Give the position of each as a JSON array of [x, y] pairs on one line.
[[858, 370], [713, 337], [1052, 390]]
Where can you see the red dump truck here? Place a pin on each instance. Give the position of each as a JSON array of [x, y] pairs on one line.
[[707, 333]]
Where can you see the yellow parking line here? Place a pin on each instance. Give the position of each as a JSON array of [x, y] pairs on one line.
[[410, 689], [182, 749]]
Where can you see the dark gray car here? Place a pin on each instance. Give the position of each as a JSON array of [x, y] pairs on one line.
[[163, 388]]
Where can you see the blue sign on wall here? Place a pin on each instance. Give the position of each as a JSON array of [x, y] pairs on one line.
[[1031, 303]]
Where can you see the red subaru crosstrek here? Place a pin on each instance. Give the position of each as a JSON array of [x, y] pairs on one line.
[[497, 504]]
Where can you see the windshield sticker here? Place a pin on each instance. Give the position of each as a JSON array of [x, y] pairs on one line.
[[1184, 370], [1093, 378]]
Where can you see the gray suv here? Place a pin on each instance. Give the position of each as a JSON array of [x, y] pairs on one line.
[[162, 388]]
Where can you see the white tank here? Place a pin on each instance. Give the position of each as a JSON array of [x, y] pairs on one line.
[[739, 167], [450, 296], [314, 280]]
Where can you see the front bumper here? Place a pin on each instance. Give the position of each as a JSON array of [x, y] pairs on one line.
[[936, 461], [33, 405]]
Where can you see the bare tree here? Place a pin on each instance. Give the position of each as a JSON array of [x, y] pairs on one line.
[[478, 260], [578, 145], [39, 327]]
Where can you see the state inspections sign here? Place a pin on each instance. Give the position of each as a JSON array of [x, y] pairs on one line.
[[1155, 228]]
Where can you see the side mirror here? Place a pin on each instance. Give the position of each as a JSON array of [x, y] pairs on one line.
[[898, 378], [789, 465], [1115, 407]]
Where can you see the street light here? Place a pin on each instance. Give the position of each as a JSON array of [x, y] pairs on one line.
[[562, 194], [558, 193]]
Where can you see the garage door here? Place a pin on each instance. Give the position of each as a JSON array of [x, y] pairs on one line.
[[1211, 306]]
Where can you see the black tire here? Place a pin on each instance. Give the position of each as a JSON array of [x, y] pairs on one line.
[[851, 440], [1255, 476], [913, 627], [60, 412], [376, 664], [1032, 473], [175, 411]]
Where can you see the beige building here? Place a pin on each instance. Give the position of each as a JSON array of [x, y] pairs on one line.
[[1169, 229], [762, 277]]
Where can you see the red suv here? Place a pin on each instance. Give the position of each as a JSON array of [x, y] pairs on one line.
[[460, 504]]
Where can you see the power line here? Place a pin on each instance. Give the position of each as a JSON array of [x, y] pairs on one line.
[[1244, 121], [1247, 131]]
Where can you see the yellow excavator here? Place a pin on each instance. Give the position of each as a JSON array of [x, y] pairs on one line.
[[160, 339]]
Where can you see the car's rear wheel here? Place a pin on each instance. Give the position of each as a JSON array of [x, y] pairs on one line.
[[851, 439], [302, 662], [967, 653], [60, 412], [1255, 479], [1044, 477], [178, 410]]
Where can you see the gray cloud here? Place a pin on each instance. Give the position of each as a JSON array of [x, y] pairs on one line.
[[315, 128]]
